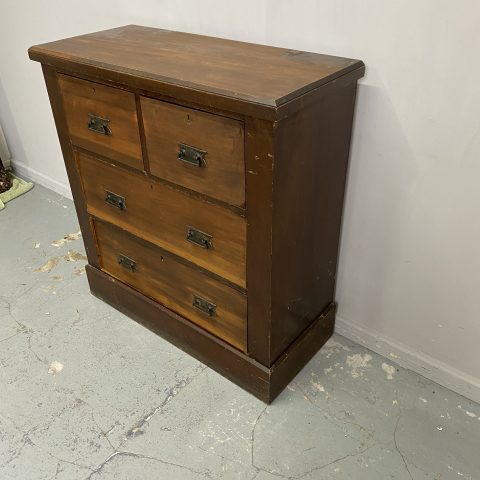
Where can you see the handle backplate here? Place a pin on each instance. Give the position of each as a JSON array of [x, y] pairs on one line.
[[199, 238], [127, 263], [116, 200], [99, 125], [192, 155], [204, 306]]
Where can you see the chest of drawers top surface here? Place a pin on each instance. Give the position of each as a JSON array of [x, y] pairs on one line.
[[208, 177], [254, 73]]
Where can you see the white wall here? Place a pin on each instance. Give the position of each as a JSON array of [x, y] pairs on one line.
[[409, 269]]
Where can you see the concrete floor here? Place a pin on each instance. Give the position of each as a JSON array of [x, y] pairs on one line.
[[86, 393]]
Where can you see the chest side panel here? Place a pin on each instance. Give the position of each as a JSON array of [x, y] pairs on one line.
[[311, 158]]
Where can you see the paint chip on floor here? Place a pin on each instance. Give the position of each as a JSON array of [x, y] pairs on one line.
[[55, 367], [67, 238], [318, 386], [357, 362], [389, 370], [49, 266], [73, 256], [79, 271]]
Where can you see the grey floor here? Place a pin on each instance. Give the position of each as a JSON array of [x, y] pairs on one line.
[[86, 393]]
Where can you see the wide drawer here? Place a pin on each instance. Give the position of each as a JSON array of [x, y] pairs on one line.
[[210, 304], [102, 119], [198, 150], [204, 233]]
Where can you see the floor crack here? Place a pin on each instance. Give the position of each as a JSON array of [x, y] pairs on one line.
[[124, 453], [252, 448], [396, 443], [138, 428], [333, 462]]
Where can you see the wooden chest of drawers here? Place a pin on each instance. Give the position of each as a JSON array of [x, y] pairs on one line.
[[208, 177]]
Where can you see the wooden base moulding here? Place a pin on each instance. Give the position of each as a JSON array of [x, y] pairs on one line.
[[265, 383]]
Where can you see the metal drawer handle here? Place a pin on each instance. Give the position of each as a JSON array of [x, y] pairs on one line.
[[99, 125], [199, 238], [127, 263], [115, 200], [204, 306], [191, 155]]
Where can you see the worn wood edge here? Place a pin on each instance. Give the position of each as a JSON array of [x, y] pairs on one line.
[[259, 163], [265, 109], [141, 132], [43, 55], [292, 106], [301, 351], [133, 79], [210, 350], [291, 97]]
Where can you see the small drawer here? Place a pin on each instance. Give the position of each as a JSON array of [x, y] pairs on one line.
[[206, 234], [102, 119], [198, 150], [217, 308]]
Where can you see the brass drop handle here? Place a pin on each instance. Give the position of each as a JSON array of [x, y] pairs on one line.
[[127, 263], [191, 155], [199, 238], [204, 306], [116, 201], [99, 125]]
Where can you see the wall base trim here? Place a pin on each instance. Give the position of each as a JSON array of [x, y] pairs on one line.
[[406, 357], [29, 173]]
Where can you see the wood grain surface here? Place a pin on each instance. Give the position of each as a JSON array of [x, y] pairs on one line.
[[246, 71], [221, 175], [159, 276], [162, 215], [81, 98]]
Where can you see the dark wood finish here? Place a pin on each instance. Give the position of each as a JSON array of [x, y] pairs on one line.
[[265, 383], [51, 82], [81, 98], [300, 352], [194, 340], [192, 61], [257, 78], [276, 125], [161, 277], [162, 215], [307, 212], [259, 150], [167, 125]]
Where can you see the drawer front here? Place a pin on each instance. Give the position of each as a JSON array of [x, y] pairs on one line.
[[164, 216], [102, 119], [198, 150], [210, 304]]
